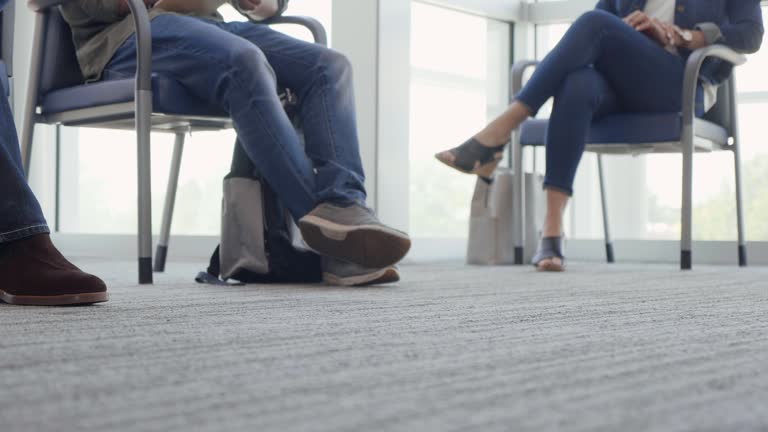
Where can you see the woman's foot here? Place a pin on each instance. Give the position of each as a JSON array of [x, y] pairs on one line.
[[35, 273], [549, 257], [472, 157]]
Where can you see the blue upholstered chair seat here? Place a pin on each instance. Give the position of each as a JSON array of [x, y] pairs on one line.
[[629, 129], [169, 97], [4, 79]]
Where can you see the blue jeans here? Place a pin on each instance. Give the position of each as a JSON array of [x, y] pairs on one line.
[[238, 67], [20, 214], [601, 66]]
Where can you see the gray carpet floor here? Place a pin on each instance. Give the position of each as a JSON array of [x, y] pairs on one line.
[[451, 348]]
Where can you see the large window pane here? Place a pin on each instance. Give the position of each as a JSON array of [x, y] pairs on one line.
[[459, 81]]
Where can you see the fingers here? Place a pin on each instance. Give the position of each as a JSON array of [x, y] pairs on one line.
[[644, 25], [249, 4], [635, 18]]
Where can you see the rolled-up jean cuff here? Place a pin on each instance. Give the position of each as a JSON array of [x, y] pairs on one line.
[[533, 108], [21, 233], [564, 189]]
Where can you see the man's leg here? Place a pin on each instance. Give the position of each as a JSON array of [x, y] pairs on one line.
[[233, 73], [322, 80], [342, 227], [33, 271]]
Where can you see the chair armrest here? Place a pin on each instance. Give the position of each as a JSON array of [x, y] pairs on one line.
[[314, 26], [693, 69], [7, 15], [143, 44], [517, 73]]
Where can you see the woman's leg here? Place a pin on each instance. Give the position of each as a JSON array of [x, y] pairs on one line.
[[583, 97], [634, 65]]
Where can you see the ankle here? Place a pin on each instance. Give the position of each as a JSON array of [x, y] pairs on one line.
[[552, 229], [491, 139]]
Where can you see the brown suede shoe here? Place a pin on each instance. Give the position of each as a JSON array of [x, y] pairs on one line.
[[33, 272]]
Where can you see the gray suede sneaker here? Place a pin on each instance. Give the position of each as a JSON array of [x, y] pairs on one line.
[[353, 234], [342, 273]]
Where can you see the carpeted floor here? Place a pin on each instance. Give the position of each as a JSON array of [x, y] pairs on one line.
[[452, 348]]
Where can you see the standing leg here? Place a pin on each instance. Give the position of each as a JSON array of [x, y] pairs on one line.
[[584, 96], [34, 271], [170, 201]]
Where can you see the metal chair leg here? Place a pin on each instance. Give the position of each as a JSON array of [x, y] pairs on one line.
[[742, 245], [143, 128], [30, 115], [161, 253], [686, 228], [604, 202], [518, 201]]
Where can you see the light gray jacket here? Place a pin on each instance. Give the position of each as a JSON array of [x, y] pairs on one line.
[[100, 27]]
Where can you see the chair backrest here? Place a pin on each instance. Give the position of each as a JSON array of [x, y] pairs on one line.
[[723, 111], [60, 68]]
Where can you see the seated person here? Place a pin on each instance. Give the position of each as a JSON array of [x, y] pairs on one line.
[[238, 67], [617, 58], [33, 271]]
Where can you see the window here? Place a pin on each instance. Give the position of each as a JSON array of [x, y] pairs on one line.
[[98, 180], [459, 65]]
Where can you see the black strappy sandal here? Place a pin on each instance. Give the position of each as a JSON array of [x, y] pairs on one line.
[[471, 156], [549, 247]]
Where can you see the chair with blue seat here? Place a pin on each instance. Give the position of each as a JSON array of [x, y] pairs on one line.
[[6, 46], [638, 133], [58, 95]]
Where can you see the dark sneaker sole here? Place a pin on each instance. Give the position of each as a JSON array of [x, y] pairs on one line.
[[381, 277], [61, 300], [369, 246]]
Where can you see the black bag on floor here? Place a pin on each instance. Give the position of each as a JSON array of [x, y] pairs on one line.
[[260, 243]]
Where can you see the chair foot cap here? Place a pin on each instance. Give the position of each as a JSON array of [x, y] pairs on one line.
[[145, 271], [686, 260]]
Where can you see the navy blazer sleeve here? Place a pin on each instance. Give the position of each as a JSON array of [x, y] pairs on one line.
[[744, 29]]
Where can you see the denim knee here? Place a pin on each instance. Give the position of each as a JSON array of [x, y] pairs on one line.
[[335, 66], [595, 20], [247, 60]]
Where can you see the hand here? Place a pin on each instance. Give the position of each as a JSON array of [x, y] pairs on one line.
[[674, 34], [652, 27], [249, 5], [260, 9]]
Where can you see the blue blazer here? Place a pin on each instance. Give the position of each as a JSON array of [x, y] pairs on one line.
[[737, 24]]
